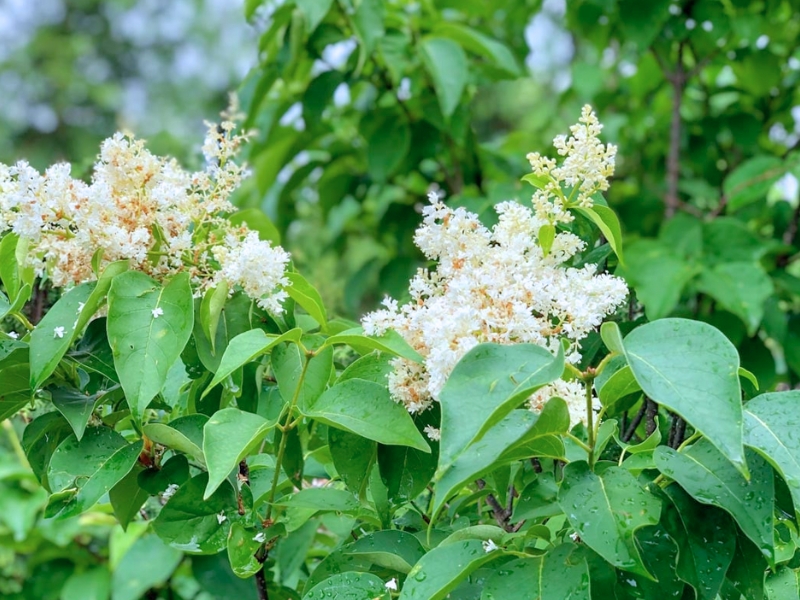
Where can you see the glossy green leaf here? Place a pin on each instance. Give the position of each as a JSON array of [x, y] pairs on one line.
[[769, 429], [352, 456], [211, 310], [174, 471], [538, 500], [606, 510], [324, 498], [692, 368], [390, 342], [446, 63], [40, 439], [619, 385], [15, 391], [608, 223], [711, 479], [442, 569], [148, 327], [184, 434], [520, 428], [242, 545], [55, 332], [245, 348], [486, 385], [405, 471], [560, 573], [366, 409], [480, 44], [127, 497], [349, 586], [195, 524], [390, 549], [89, 468], [612, 337], [147, 564], [75, 405], [706, 542], [308, 297], [288, 362], [784, 584], [9, 272], [256, 220], [229, 436]]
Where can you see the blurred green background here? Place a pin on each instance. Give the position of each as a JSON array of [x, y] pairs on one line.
[[361, 108]]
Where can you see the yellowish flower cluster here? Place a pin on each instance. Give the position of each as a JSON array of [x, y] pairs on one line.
[[145, 209]]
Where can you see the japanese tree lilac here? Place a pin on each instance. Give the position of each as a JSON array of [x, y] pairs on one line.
[[497, 285]]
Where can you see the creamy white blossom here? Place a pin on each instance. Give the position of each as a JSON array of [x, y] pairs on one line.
[[572, 392], [147, 210], [391, 584], [498, 284], [490, 546], [58, 332], [170, 491], [260, 537], [434, 434], [157, 312], [221, 518]]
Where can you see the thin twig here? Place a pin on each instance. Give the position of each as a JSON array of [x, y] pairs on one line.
[[501, 515], [635, 423], [261, 584], [651, 417]]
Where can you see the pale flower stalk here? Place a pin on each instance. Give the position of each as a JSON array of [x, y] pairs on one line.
[[498, 285], [147, 210]]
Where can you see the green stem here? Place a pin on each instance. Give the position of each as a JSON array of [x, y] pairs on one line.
[[22, 319], [289, 424], [590, 419], [690, 440], [15, 444], [579, 441]]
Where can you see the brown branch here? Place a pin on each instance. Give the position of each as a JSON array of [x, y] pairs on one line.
[[634, 423], [501, 515], [651, 417], [261, 585], [678, 81]]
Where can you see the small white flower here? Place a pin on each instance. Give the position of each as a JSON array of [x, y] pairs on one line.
[[58, 332], [260, 537], [13, 334], [157, 312], [433, 433], [80, 307], [490, 546], [391, 584], [170, 491], [574, 536], [221, 518]]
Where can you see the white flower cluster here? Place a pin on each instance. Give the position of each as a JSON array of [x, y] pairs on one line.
[[587, 165], [572, 392], [145, 209], [493, 285]]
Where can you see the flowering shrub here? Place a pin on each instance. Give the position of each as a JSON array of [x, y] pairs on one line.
[[187, 378]]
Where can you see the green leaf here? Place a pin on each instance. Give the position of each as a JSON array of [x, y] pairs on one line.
[[784, 584], [388, 142], [255, 220], [621, 384], [740, 288], [446, 63], [211, 309], [537, 181], [608, 223], [442, 569], [9, 271], [148, 327], [127, 497], [486, 385], [308, 297], [751, 180], [174, 471], [641, 22], [15, 391], [474, 41], [228, 436], [606, 510], [538, 500], [390, 342], [560, 573], [746, 573], [390, 549], [692, 368], [195, 524], [404, 471], [612, 337], [245, 348], [647, 445], [40, 439], [288, 363], [706, 542], [47, 347], [657, 274], [352, 456], [88, 469], [547, 234], [75, 405], [325, 499], [147, 564], [368, 24], [711, 479], [314, 11], [520, 428], [92, 584], [366, 409], [242, 546], [769, 429], [349, 586], [184, 434]]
